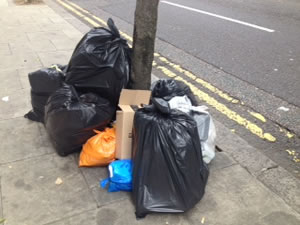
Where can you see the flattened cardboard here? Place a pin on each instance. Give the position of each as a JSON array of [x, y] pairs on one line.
[[124, 119]]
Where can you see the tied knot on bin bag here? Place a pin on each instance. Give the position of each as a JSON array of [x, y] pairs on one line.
[[100, 63], [169, 174]]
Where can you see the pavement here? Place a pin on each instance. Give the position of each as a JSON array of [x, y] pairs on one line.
[[244, 187]]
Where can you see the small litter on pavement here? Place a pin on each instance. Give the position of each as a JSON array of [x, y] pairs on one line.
[[58, 181], [5, 99], [283, 108]]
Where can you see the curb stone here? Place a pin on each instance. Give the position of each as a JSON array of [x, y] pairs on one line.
[[273, 176]]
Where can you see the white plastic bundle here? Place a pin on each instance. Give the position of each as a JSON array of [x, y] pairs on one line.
[[206, 126]]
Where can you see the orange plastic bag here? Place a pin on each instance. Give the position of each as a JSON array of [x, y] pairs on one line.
[[99, 150]]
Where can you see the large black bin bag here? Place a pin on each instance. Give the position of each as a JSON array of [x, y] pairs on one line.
[[43, 83], [169, 174], [70, 119], [101, 63]]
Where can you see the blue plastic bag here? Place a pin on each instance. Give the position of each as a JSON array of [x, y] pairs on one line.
[[120, 176]]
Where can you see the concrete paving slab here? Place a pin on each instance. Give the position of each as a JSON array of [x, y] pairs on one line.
[[21, 139], [234, 197], [73, 34], [57, 57], [47, 11], [21, 60], [41, 21], [10, 82], [221, 161], [45, 142], [1, 207], [3, 3], [17, 105], [49, 35], [93, 175], [57, 19], [246, 155], [6, 37], [23, 76], [283, 184], [121, 212], [45, 200], [25, 71], [26, 19], [28, 27], [65, 44], [103, 197], [4, 49], [55, 27], [43, 45]]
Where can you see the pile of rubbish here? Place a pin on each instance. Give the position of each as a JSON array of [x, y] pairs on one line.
[[157, 151], [76, 99]]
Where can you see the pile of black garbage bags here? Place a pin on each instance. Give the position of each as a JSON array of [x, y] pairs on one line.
[[169, 174], [74, 100]]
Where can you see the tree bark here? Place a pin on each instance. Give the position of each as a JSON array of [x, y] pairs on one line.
[[145, 22]]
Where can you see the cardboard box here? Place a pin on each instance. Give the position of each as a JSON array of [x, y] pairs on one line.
[[130, 100]]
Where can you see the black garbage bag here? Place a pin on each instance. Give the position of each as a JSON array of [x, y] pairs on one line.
[[101, 63], [43, 83], [169, 174], [169, 88], [70, 119]]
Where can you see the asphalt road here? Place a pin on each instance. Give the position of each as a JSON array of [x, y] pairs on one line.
[[268, 60]]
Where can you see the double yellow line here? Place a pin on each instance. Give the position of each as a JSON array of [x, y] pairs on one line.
[[252, 127]]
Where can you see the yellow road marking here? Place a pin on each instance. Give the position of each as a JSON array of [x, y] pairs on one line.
[[197, 79], [78, 7], [253, 128], [92, 22], [126, 36], [286, 133], [294, 154], [258, 116]]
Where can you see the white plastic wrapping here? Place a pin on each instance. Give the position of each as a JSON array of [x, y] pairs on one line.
[[206, 127]]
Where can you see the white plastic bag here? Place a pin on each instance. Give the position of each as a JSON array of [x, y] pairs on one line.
[[206, 126]]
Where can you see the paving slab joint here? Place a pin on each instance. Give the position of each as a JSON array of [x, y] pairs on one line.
[[1, 201], [90, 190]]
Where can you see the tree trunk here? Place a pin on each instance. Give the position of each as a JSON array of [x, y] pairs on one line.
[[145, 21]]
